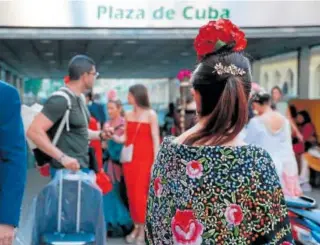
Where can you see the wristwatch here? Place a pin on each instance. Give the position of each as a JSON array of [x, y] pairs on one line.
[[100, 136], [61, 158]]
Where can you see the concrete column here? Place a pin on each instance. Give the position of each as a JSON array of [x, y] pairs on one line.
[[21, 88], [304, 55], [255, 70], [2, 74], [173, 90]]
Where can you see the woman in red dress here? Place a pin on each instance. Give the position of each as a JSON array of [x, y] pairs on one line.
[[142, 130]]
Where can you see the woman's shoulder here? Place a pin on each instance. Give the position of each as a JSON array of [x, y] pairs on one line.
[[175, 144], [146, 114], [151, 113], [255, 120], [127, 115], [309, 126], [176, 160]]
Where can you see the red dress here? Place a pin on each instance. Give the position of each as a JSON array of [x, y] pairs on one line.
[[137, 172], [96, 144]]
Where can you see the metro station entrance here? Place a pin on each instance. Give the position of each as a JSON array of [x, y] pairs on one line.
[[138, 40], [142, 40]]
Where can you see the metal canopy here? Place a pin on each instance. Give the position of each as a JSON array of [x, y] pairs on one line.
[[125, 58], [139, 33]]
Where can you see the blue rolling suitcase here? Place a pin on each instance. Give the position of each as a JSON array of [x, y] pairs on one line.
[[76, 238]]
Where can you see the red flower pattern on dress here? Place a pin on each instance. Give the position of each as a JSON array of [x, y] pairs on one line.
[[286, 243], [194, 170], [158, 188], [216, 34], [186, 229], [234, 215], [249, 213]]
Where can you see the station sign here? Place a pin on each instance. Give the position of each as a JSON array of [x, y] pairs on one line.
[[155, 13]]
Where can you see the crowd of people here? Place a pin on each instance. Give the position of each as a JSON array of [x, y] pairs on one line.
[[220, 180]]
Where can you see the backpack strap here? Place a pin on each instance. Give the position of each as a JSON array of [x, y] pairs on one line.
[[82, 103], [65, 120], [63, 94]]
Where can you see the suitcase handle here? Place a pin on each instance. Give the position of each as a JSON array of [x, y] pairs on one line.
[[69, 177]]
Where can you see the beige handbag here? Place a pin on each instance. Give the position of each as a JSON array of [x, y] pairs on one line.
[[127, 151]]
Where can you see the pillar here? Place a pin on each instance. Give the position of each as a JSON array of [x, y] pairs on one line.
[[255, 70], [20, 88], [2, 74], [304, 55], [173, 90]]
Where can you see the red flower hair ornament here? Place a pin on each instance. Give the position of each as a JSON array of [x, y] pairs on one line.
[[217, 34]]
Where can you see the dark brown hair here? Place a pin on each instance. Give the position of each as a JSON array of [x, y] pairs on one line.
[[140, 94], [118, 104], [224, 98], [79, 65], [277, 88], [261, 98]]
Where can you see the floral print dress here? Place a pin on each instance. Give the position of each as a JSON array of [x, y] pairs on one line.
[[215, 195]]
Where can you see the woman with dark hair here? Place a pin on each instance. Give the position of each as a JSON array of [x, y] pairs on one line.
[[169, 125], [307, 129], [208, 186], [116, 213], [271, 131], [282, 106], [142, 131], [277, 97], [302, 149], [293, 111]]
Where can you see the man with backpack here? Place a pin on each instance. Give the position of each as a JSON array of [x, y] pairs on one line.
[[13, 162], [71, 149]]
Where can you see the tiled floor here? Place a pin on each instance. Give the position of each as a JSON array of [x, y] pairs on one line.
[[36, 183]]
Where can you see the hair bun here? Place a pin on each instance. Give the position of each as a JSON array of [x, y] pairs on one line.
[[219, 36], [261, 97], [228, 48]]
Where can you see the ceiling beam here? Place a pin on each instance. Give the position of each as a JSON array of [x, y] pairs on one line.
[[11, 50], [105, 54], [86, 46], [129, 34], [36, 51], [60, 55]]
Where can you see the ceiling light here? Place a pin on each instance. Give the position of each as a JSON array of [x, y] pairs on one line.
[[45, 41], [165, 62], [109, 62], [48, 54], [117, 54], [131, 42], [184, 54], [52, 62]]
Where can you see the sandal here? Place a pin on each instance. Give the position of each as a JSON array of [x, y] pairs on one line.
[[141, 237], [140, 241], [130, 239]]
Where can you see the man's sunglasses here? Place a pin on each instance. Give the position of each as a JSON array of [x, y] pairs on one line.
[[95, 74]]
